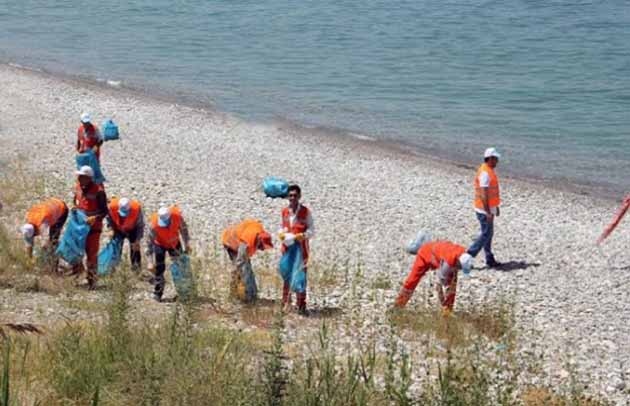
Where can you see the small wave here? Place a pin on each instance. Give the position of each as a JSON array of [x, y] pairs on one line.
[[114, 83], [362, 137]]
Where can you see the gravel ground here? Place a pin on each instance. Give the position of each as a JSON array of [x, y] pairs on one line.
[[367, 200]]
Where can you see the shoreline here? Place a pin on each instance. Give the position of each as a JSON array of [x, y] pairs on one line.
[[367, 201], [400, 147]]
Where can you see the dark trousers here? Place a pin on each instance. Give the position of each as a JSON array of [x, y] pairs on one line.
[[484, 240], [160, 265], [55, 230], [134, 254]]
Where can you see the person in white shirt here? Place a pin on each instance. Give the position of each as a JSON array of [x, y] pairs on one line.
[[297, 230], [487, 201]]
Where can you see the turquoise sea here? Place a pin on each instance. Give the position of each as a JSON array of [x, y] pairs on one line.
[[545, 81]]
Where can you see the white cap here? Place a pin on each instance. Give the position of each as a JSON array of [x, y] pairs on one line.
[[28, 231], [466, 261], [491, 152], [414, 245], [164, 216], [123, 207], [85, 117], [85, 170]]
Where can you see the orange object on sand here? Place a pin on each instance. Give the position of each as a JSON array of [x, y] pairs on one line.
[[618, 216]]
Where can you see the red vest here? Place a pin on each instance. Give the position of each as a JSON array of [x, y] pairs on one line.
[[87, 201], [432, 253], [88, 141], [124, 224], [167, 237], [299, 226]]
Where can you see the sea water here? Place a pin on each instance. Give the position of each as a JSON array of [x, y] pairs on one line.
[[547, 82]]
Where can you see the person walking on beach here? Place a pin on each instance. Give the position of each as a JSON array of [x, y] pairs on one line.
[[126, 221], [487, 201], [88, 136], [445, 257], [165, 229], [241, 242], [91, 198], [49, 217], [297, 224]]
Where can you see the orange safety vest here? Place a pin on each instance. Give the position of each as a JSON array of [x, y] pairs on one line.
[[299, 226], [87, 201], [244, 232], [124, 224], [433, 253], [167, 237], [494, 199], [49, 211], [87, 141]]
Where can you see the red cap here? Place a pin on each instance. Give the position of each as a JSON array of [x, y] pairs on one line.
[[265, 239]]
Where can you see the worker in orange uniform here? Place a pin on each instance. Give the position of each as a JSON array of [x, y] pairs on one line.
[[487, 201], [165, 228], [297, 221], [91, 198], [241, 242], [48, 217], [88, 136], [126, 221], [445, 257]]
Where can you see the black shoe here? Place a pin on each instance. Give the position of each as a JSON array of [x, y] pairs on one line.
[[494, 264], [303, 312]]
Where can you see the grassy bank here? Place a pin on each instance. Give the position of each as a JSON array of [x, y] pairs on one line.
[[210, 351]]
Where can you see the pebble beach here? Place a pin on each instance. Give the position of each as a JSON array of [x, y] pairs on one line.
[[368, 199]]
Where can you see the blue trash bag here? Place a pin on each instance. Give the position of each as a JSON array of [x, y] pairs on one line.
[[110, 256], [291, 268], [72, 245], [109, 130], [89, 158], [275, 187], [182, 276]]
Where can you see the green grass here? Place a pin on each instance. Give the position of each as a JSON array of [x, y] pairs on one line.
[[193, 355]]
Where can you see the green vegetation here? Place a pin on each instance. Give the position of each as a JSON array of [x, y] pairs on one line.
[[197, 352]]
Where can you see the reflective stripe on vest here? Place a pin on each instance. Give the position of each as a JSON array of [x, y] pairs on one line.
[[494, 199], [87, 141], [167, 237], [87, 201], [128, 223], [48, 211], [299, 226]]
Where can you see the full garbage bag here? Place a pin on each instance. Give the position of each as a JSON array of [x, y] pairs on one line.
[[275, 187], [89, 158], [292, 269], [109, 257], [72, 245]]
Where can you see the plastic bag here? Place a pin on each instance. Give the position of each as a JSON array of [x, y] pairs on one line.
[[109, 129], [414, 245], [110, 256], [291, 268], [182, 276], [72, 245], [89, 158], [275, 187]]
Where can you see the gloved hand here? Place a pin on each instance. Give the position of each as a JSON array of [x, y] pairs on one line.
[[300, 237], [91, 220], [281, 235]]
